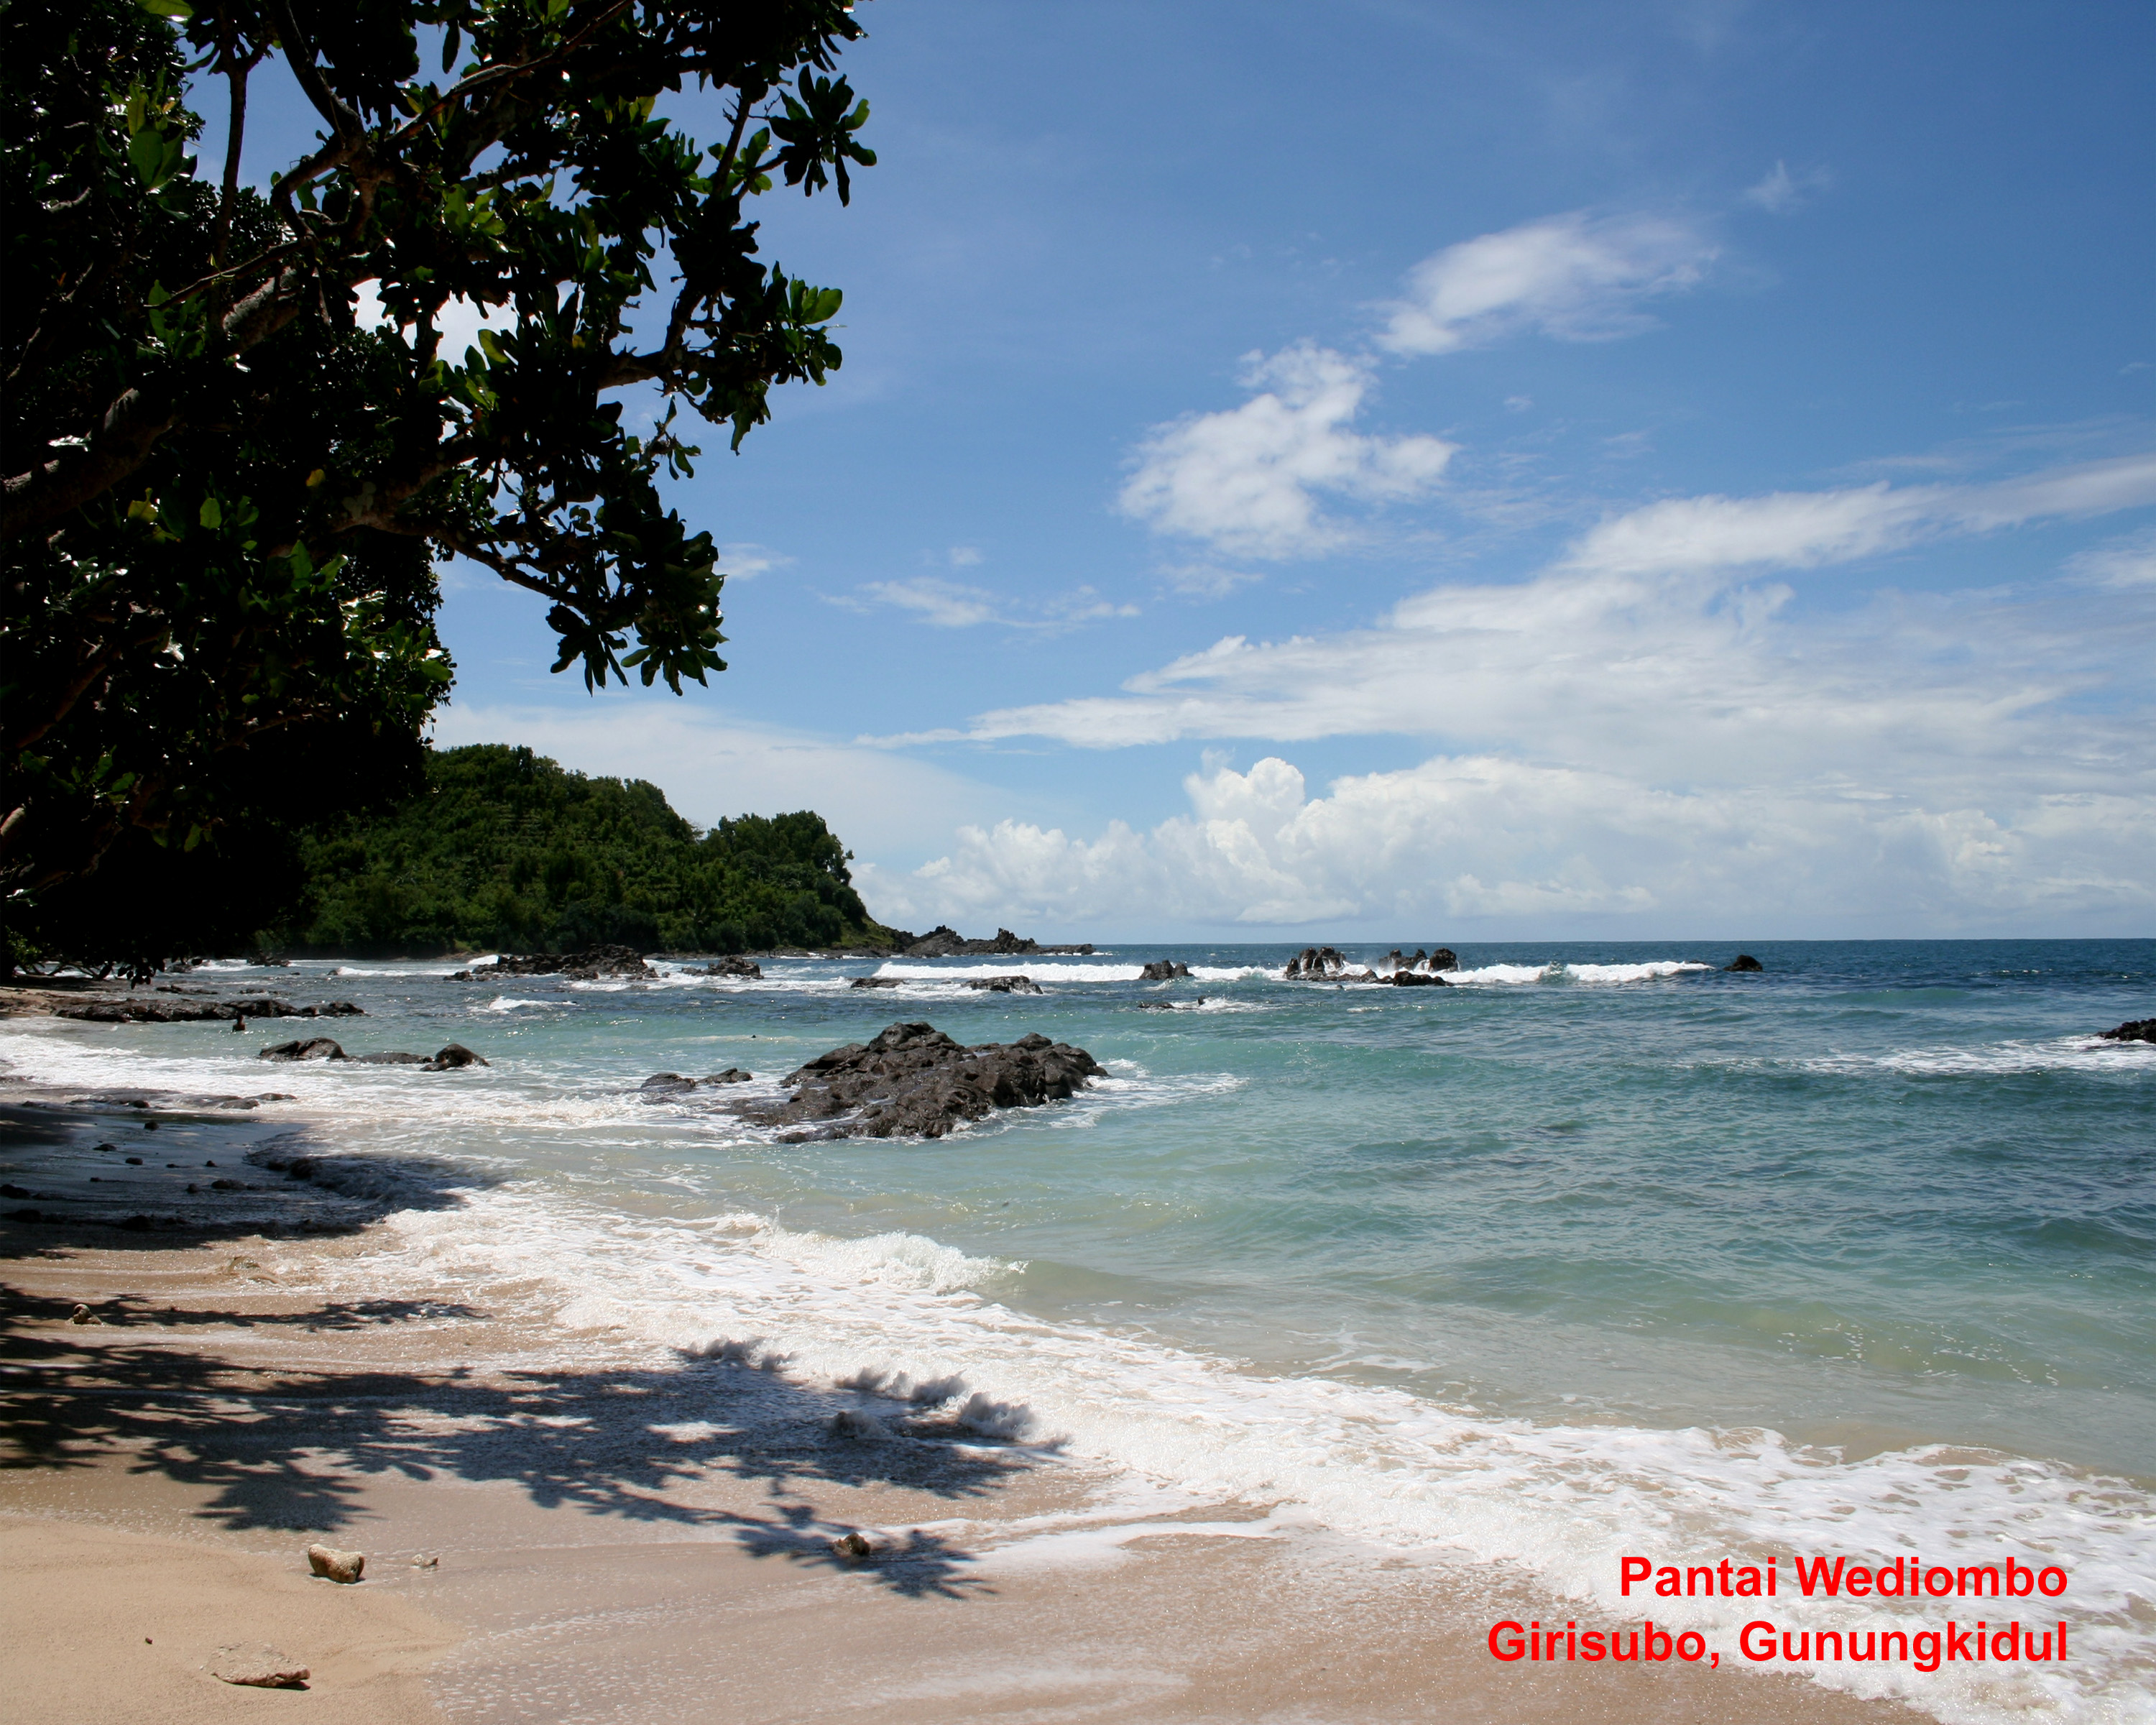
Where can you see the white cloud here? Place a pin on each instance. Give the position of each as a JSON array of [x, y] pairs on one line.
[[945, 604], [746, 562], [1780, 190], [1645, 633], [712, 768], [1247, 480], [1577, 278], [1651, 733], [964, 557], [1491, 845]]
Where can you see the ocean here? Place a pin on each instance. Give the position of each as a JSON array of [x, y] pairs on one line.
[[1603, 1251]]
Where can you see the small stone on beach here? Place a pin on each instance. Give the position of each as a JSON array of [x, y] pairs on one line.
[[860, 1545], [340, 1566], [84, 1315]]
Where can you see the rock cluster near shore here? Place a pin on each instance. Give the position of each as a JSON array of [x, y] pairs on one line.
[[1163, 970], [914, 1081], [945, 942], [1327, 964], [322, 1048], [184, 1012], [2133, 1030], [590, 965]]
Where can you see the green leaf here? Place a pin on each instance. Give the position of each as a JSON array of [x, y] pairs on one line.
[[212, 514], [167, 9]]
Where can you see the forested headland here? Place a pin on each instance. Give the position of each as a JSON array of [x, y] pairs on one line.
[[509, 850]]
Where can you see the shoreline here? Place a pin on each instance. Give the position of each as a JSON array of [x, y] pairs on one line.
[[595, 1540]]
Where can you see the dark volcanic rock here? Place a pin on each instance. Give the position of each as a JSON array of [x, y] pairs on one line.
[[873, 981], [1416, 980], [315, 1048], [1745, 960], [585, 967], [736, 967], [1316, 964], [2133, 1030], [1004, 984], [913, 1081], [182, 1012], [660, 1085], [1163, 970], [947, 943], [452, 1056], [1445, 959]]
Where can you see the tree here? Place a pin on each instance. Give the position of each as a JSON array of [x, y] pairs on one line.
[[224, 488]]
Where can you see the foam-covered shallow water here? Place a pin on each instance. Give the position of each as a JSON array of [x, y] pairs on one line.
[[1600, 1251]]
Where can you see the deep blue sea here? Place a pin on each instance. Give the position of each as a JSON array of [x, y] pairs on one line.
[[1601, 1249]]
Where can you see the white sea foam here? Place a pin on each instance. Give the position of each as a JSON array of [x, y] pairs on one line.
[[2063, 1054], [1561, 1503], [446, 968], [1557, 972], [503, 1003]]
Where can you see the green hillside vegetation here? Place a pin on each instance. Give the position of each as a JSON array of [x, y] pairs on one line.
[[507, 849]]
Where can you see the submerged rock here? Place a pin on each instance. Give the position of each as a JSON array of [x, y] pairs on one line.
[[451, 1057], [2133, 1030], [1417, 979], [662, 1084], [1163, 970], [914, 1081], [391, 1057], [873, 981], [736, 967], [1004, 984], [315, 1048], [1745, 960]]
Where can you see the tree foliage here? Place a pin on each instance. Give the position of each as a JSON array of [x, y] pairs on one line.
[[224, 485], [507, 849]]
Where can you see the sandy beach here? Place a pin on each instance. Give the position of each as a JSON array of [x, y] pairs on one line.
[[549, 1541]]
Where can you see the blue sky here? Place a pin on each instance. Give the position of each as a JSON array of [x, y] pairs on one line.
[[1446, 472]]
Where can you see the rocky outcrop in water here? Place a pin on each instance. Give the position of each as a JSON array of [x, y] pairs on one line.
[[1409, 979], [1163, 970], [1745, 960], [2133, 1030], [662, 1084], [1004, 984], [588, 966], [914, 1081], [947, 943], [1316, 964], [185, 1012], [314, 1048], [736, 967], [873, 981]]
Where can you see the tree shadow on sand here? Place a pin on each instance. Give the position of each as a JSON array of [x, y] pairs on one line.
[[289, 1450]]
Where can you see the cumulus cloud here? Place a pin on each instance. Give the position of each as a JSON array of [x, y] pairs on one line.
[[1489, 842], [1652, 725], [1575, 277], [1249, 480]]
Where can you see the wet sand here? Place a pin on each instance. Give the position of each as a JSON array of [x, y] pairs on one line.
[[649, 1540]]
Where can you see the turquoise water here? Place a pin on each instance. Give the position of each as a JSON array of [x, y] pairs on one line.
[[1859, 1248]]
